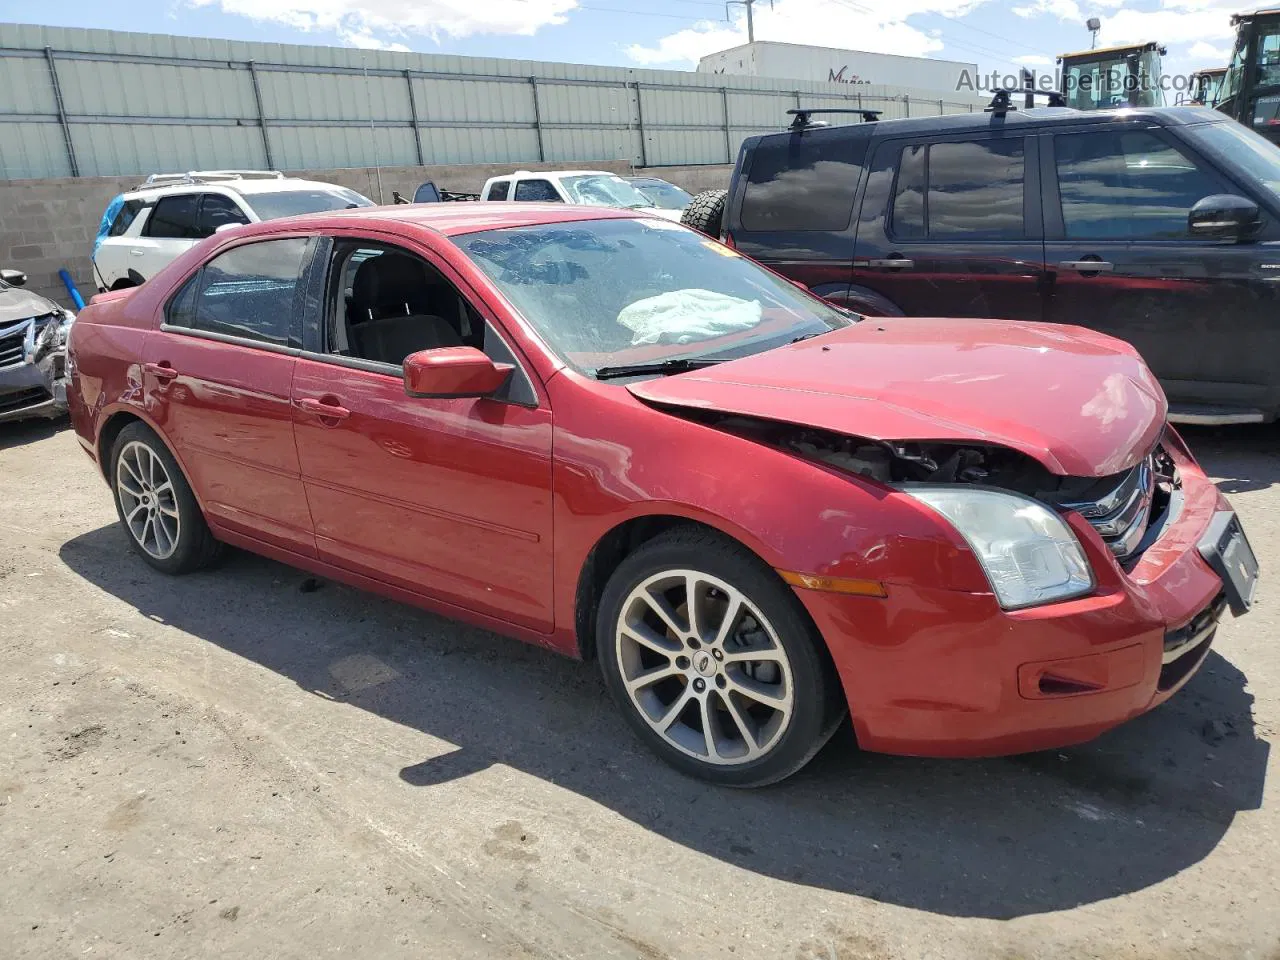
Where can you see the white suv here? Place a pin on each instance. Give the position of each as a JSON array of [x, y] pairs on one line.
[[595, 188], [145, 229]]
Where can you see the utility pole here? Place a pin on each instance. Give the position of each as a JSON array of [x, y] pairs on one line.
[[751, 26]]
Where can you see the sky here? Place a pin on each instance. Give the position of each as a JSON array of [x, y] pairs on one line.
[[673, 34]]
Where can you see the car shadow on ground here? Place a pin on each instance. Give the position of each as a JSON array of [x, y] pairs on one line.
[[1242, 457], [19, 433], [991, 838]]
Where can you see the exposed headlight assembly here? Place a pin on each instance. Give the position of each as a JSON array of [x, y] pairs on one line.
[[1026, 550]]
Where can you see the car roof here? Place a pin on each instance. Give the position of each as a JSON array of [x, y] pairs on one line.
[[245, 187], [556, 173], [1055, 116], [453, 219]]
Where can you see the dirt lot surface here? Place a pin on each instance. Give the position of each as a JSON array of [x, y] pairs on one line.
[[234, 764]]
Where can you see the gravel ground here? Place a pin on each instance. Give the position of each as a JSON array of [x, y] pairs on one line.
[[238, 764]]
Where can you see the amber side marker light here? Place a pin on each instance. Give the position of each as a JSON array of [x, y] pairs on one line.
[[857, 588]]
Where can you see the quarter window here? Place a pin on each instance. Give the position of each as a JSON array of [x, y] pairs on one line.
[[1127, 185], [175, 218], [251, 291], [541, 190], [803, 181], [124, 218], [970, 190]]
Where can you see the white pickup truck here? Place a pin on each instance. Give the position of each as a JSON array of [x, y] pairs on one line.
[[595, 188]]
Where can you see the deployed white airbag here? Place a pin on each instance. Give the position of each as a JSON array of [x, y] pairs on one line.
[[686, 316]]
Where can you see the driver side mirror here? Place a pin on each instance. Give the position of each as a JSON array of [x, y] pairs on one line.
[[15, 278], [451, 372], [1224, 216]]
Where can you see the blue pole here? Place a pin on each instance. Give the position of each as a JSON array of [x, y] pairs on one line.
[[72, 292]]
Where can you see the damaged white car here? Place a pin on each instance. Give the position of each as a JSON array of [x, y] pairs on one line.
[[33, 351]]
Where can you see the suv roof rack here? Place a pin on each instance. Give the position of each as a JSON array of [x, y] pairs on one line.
[[802, 115], [207, 176], [1002, 102]]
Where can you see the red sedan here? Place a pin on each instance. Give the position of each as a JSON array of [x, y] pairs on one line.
[[601, 432]]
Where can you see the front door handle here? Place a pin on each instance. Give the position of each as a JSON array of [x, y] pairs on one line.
[[325, 411], [1087, 266], [134, 252], [161, 370], [892, 263]]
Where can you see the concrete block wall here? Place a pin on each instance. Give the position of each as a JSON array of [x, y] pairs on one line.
[[46, 225]]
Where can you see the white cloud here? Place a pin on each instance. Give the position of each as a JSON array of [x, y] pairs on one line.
[[878, 26], [1033, 60], [370, 24], [1209, 53]]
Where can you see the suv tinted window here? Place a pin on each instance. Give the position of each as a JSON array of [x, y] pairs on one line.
[[216, 211], [174, 218], [536, 190], [803, 181], [498, 190], [1128, 185], [250, 291], [127, 213], [970, 190]]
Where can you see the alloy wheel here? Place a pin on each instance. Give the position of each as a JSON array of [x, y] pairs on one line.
[[704, 667], [148, 502]]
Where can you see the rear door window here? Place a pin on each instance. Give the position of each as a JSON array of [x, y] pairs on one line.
[[972, 190], [539, 190], [803, 181], [217, 211], [251, 292], [1128, 185], [498, 190], [175, 218]]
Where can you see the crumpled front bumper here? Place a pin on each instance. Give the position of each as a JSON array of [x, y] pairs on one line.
[[36, 385]]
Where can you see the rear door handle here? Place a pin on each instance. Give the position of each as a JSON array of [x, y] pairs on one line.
[[325, 411], [892, 263], [161, 371], [1087, 266]]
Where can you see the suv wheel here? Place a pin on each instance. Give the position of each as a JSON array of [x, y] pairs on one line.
[[705, 212], [712, 661]]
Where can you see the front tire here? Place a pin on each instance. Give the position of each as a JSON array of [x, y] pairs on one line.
[[713, 661], [156, 507]]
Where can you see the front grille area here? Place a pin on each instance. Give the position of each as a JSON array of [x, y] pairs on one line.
[[11, 339], [1120, 508], [22, 398]]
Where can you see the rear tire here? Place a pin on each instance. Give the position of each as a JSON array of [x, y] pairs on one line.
[[705, 212], [740, 693], [159, 513]]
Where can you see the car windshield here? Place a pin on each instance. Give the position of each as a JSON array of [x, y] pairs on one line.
[[662, 194], [605, 293], [1238, 145], [604, 190], [292, 203]]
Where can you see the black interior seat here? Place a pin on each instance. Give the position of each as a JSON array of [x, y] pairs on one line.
[[390, 314]]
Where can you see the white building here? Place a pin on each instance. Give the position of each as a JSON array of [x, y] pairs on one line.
[[857, 68]]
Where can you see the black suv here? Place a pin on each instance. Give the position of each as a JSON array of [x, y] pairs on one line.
[[1158, 226]]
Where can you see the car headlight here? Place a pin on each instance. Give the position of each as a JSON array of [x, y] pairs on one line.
[[1026, 550], [64, 329]]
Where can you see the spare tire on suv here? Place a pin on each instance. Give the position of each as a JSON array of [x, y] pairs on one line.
[[705, 212]]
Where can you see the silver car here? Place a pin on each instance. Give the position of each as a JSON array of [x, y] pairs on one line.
[[33, 351]]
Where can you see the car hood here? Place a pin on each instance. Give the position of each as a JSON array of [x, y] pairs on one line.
[[18, 304], [1081, 403]]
